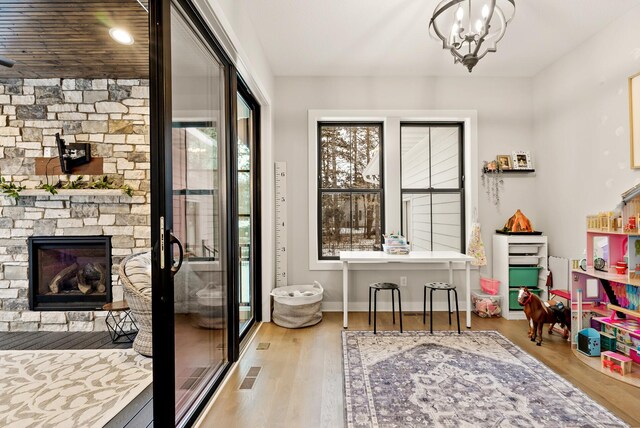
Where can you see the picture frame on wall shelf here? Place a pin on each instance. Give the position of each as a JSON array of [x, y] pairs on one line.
[[521, 160], [634, 120], [504, 162]]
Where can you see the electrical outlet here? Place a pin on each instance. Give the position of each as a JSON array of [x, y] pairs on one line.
[[403, 281]]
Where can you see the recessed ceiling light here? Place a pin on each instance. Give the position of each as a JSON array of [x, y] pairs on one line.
[[121, 36]]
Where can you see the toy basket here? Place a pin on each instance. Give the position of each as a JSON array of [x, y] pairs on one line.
[[490, 285], [485, 305], [297, 306]]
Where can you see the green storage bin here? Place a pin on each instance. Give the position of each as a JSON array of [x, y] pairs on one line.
[[524, 276], [607, 342], [513, 298]]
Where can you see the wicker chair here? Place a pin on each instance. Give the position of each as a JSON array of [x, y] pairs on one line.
[[135, 274]]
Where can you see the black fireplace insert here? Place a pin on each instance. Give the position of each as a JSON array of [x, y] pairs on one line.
[[69, 272]]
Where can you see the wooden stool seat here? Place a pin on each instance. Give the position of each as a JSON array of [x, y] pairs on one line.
[[116, 326], [122, 305]]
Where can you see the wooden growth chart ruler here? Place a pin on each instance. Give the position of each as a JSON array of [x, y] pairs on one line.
[[281, 224]]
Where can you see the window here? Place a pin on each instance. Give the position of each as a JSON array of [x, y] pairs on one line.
[[350, 184], [432, 185]]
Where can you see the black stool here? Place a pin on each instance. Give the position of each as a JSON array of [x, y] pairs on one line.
[[433, 286], [384, 286]]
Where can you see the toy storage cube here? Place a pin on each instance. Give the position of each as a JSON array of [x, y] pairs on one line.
[[513, 297], [607, 342], [589, 342], [523, 276], [485, 305]]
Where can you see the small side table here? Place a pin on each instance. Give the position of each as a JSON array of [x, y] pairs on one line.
[[115, 326]]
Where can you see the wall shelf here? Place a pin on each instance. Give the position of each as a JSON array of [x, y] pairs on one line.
[[510, 171], [74, 192]]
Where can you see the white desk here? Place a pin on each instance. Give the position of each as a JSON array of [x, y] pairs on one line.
[[417, 257]]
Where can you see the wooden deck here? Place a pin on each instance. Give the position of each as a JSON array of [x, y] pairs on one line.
[[40, 340]]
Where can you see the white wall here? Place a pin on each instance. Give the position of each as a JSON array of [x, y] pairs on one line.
[[504, 124], [581, 129]]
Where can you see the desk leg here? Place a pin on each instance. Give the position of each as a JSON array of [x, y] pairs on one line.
[[345, 294], [467, 268]]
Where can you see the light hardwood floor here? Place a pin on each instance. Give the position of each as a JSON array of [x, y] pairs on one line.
[[301, 385]]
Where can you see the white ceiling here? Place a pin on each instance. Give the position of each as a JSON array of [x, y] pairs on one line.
[[390, 37]]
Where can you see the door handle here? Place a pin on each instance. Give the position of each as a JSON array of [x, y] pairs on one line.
[[175, 266]]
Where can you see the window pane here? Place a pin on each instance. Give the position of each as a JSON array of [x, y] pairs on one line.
[[416, 214], [349, 156], [244, 193], [432, 222], [335, 157], [446, 222], [366, 223], [335, 228], [414, 141], [365, 143], [445, 157]]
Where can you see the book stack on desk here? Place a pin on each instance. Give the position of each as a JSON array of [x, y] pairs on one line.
[[395, 244]]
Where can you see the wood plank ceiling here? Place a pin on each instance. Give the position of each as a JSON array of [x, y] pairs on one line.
[[70, 38]]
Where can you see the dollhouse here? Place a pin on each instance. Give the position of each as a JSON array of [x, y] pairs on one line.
[[606, 291]]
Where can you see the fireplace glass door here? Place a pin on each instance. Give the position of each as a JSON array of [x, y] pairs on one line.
[[69, 273]]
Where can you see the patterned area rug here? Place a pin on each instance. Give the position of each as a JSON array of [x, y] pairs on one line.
[[72, 388], [477, 379]]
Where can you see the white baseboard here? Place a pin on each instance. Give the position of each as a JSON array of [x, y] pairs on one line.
[[386, 306]]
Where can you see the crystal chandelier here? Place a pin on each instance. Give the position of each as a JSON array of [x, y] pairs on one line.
[[471, 28]]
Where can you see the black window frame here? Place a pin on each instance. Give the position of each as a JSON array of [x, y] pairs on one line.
[[320, 191], [431, 191]]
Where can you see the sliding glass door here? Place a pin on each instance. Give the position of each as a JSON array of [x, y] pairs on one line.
[[205, 216], [190, 215], [246, 175], [200, 287]]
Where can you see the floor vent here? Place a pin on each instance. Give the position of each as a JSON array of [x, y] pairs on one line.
[[263, 346], [254, 371], [250, 378], [247, 383]]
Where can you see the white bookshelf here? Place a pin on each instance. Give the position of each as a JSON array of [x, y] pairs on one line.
[[510, 247]]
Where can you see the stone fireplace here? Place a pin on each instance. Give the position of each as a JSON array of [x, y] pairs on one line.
[[113, 116], [69, 272]]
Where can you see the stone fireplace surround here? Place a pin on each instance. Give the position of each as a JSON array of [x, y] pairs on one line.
[[113, 115]]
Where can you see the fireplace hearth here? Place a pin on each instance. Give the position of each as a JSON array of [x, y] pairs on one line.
[[69, 272]]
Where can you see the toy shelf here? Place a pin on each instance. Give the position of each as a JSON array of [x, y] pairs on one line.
[[508, 252], [613, 277], [613, 232], [618, 325], [630, 312]]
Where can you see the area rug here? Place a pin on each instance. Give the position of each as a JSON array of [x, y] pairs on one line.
[[69, 388], [476, 379]]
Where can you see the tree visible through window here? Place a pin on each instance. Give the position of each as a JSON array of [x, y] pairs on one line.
[[349, 187]]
